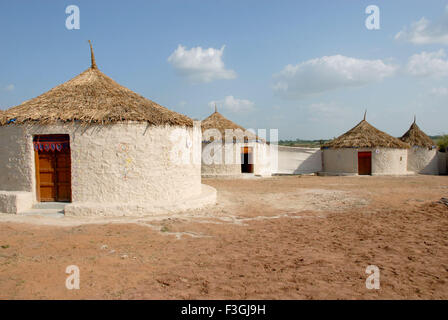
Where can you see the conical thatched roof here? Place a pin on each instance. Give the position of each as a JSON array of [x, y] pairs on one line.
[[364, 135], [93, 97], [416, 137], [221, 123]]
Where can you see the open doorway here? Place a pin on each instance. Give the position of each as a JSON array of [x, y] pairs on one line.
[[247, 163], [365, 163], [53, 168]]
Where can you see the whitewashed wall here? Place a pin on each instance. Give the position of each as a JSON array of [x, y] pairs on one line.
[[298, 160], [423, 160]]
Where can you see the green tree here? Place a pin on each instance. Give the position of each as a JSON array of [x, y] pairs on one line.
[[442, 142]]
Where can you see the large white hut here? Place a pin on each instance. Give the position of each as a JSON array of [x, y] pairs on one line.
[[422, 156], [103, 149], [364, 150], [229, 150]]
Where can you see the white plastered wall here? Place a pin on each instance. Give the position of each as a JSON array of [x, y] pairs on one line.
[[112, 165], [423, 160], [299, 160], [385, 161]]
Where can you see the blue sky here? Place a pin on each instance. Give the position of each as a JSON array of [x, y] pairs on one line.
[[307, 68]]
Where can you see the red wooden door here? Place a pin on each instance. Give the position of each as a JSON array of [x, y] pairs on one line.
[[365, 163]]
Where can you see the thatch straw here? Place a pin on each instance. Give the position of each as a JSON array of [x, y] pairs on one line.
[[364, 135], [219, 122], [416, 137], [93, 97]]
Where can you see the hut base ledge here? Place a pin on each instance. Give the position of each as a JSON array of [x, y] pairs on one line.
[[206, 198], [15, 201]]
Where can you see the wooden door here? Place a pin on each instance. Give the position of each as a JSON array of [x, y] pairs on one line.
[[247, 165], [53, 169], [63, 177], [46, 178], [365, 163]]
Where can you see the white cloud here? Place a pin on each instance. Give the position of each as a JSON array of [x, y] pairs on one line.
[[428, 64], [328, 73], [424, 31], [233, 104], [10, 87], [200, 65]]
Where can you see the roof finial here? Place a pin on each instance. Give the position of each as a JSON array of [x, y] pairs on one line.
[[415, 118], [365, 113], [216, 108], [92, 57]]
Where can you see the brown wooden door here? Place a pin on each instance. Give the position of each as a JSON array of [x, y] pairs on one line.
[[47, 187], [53, 170], [247, 165], [365, 163], [63, 177]]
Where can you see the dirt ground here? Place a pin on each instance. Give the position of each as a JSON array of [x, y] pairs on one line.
[[276, 238]]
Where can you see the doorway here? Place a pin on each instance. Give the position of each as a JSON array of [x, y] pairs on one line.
[[365, 163], [53, 168], [247, 163]]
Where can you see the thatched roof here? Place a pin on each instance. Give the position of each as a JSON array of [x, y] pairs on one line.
[[92, 97], [416, 137], [364, 135], [221, 123]]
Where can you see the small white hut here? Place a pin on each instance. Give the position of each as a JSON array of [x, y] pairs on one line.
[[364, 150], [422, 156], [101, 148], [229, 150]]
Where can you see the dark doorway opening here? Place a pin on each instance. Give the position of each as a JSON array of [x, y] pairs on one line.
[[365, 163], [247, 164], [53, 168]]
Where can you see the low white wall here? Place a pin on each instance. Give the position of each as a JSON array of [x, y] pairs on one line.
[[298, 160], [385, 161], [423, 161]]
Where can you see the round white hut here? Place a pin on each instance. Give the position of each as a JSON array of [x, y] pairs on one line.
[[422, 156], [103, 149], [229, 150], [364, 150]]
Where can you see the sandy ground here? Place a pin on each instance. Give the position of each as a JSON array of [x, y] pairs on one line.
[[275, 238]]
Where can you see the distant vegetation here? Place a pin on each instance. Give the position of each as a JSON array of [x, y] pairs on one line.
[[442, 142], [302, 143]]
